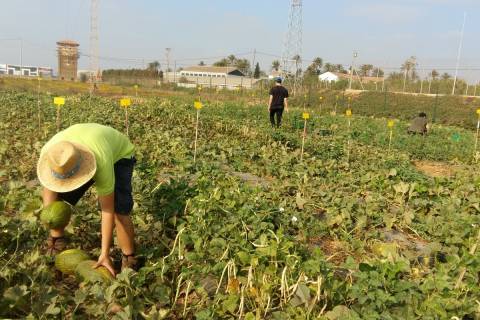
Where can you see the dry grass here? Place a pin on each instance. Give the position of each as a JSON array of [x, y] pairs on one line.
[[436, 169]]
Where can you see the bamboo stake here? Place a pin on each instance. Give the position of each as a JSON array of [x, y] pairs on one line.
[[59, 121], [476, 137], [39, 110], [126, 120], [198, 106]]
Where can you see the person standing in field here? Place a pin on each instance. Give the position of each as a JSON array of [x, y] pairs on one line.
[[419, 124], [75, 159], [277, 103]]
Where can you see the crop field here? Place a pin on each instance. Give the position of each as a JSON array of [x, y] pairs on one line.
[[358, 227]]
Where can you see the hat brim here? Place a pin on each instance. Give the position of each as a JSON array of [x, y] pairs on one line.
[[85, 173]]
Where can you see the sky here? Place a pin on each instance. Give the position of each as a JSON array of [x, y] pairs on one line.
[[134, 32]]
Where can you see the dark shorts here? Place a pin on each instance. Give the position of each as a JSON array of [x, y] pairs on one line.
[[123, 187]]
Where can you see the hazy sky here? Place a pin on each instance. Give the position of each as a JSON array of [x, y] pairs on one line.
[[384, 32]]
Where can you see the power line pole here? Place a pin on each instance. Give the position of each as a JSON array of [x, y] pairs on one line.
[[292, 48], [94, 48], [355, 55], [252, 68], [21, 56], [167, 55], [459, 53]]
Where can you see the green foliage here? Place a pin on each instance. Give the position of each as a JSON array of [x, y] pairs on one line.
[[249, 230]]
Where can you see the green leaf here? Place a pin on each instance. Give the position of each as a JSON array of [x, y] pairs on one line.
[[341, 313], [230, 304]]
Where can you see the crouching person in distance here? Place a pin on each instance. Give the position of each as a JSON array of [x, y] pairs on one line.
[[75, 159], [419, 124]]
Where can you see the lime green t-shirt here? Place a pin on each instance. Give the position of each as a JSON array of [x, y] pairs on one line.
[[108, 145]]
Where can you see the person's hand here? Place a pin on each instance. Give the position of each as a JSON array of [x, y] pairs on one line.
[[106, 262]]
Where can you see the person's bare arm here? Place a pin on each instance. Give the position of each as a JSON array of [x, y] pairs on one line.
[[270, 102], [108, 221], [48, 196], [285, 101]]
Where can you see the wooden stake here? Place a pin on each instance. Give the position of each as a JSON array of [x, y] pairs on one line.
[[59, 121], [476, 137], [38, 105], [348, 141], [196, 137], [126, 120], [390, 140]]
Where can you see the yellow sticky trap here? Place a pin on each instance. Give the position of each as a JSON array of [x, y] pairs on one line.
[[199, 88], [321, 98], [349, 98], [135, 86], [390, 123], [305, 96], [336, 97], [197, 105], [59, 101], [478, 112], [125, 102], [348, 113], [306, 115]]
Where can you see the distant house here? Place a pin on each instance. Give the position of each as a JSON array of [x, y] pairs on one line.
[[210, 76], [210, 71], [329, 77], [275, 74], [28, 71], [337, 76]]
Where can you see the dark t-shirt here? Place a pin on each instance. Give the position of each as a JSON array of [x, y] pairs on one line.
[[279, 93], [418, 125]]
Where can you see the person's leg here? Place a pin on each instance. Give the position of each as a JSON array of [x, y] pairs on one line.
[[123, 207], [279, 117], [125, 234], [272, 117]]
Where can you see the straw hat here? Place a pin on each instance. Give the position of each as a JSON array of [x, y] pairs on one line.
[[66, 166]]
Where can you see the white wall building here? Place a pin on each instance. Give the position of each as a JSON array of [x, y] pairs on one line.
[[28, 71], [211, 77], [328, 77]]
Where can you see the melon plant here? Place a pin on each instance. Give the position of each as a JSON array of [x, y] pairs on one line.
[[67, 260], [56, 215], [86, 272]]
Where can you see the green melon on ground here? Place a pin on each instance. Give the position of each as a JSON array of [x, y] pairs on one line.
[[56, 215], [85, 272], [67, 260]]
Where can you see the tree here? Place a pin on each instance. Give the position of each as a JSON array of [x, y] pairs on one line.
[[377, 72], [201, 63], [446, 76], [275, 65], [365, 70], [328, 67], [409, 68], [315, 68], [256, 73], [340, 68], [434, 74], [154, 66], [231, 61]]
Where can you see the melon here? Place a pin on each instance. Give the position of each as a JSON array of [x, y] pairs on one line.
[[67, 260], [86, 272], [56, 215]]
